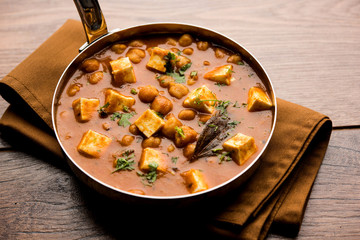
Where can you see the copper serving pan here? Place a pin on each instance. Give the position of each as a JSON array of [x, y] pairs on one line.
[[98, 38]]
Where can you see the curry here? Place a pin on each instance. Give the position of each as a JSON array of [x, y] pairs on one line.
[[164, 115]]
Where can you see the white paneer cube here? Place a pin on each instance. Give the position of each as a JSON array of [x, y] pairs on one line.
[[115, 101], [241, 147], [157, 59], [201, 99], [150, 157], [194, 180], [258, 100], [123, 71], [84, 108], [220, 74], [149, 123], [93, 144]]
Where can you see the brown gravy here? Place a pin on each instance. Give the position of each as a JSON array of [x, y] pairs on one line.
[[256, 124]]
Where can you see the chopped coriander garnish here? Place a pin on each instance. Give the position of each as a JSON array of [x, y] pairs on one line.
[[123, 118], [193, 74], [222, 106], [174, 159], [126, 109], [220, 84], [177, 77], [101, 111], [224, 156], [240, 63], [230, 71], [236, 105], [184, 68], [115, 116], [233, 123], [133, 91], [180, 131], [159, 114], [126, 162], [151, 175], [250, 75]]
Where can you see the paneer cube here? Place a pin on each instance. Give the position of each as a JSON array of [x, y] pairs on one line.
[[84, 108], [220, 74], [201, 99], [241, 147], [151, 157], [93, 144], [258, 100], [123, 71], [149, 123], [157, 59], [194, 180], [184, 135], [115, 101]]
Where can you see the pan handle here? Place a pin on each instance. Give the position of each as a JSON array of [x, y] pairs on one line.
[[92, 19]]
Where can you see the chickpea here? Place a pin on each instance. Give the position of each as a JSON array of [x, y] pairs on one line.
[[188, 151], [175, 50], [202, 45], [206, 63], [171, 148], [90, 65], [178, 90], [106, 126], [148, 93], [118, 48], [165, 80], [184, 136], [135, 55], [171, 41], [188, 51], [204, 118], [96, 77], [162, 105], [136, 43], [187, 114], [219, 53], [137, 191], [185, 40], [127, 140], [73, 89], [133, 129], [152, 142], [168, 129], [234, 59]]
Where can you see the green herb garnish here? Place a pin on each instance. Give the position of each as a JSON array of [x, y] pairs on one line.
[[180, 131], [177, 77], [101, 110], [125, 162], [123, 118], [184, 68], [174, 159], [133, 91], [151, 175], [193, 74]]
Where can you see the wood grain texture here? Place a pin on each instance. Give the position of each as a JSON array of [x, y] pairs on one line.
[[42, 200], [310, 48]]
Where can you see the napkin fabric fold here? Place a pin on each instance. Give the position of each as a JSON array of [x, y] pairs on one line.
[[275, 197]]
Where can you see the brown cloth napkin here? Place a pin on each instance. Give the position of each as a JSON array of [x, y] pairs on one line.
[[275, 196]]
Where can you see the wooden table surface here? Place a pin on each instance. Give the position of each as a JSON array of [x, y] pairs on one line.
[[310, 49]]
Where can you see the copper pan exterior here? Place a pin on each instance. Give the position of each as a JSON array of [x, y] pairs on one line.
[[146, 30]]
